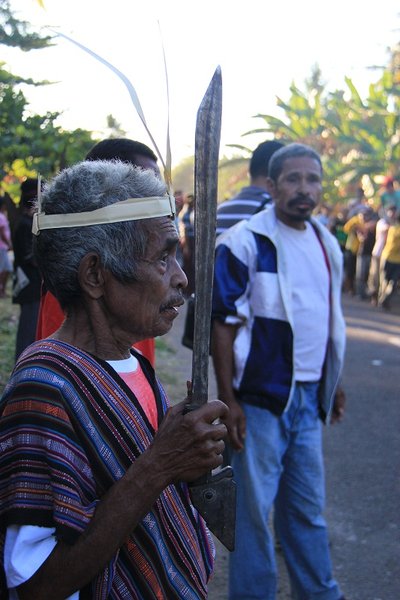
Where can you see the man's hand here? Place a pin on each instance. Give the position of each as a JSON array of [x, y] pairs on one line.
[[236, 425], [223, 338], [186, 446], [338, 406]]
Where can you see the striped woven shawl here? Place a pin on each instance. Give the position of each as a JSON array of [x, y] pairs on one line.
[[70, 428]]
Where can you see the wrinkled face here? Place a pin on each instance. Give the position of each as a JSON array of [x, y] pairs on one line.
[[147, 308], [297, 191]]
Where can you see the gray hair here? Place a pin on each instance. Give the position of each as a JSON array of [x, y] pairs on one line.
[[85, 187], [290, 151]]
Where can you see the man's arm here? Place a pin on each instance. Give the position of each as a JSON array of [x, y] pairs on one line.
[[185, 447], [223, 337], [350, 224]]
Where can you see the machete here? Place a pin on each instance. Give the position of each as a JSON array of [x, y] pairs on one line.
[[214, 495]]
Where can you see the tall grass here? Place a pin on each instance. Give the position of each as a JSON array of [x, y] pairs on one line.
[[9, 314]]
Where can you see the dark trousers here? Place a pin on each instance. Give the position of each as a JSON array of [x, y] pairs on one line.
[[26, 333]]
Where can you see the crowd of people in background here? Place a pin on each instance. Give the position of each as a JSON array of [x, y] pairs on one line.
[[368, 232]]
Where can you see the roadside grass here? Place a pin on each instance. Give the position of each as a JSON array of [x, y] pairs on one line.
[[164, 357], [9, 314], [166, 362]]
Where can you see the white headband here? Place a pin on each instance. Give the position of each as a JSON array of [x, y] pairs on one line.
[[131, 209]]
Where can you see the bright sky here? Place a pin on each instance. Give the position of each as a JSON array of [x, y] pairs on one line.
[[261, 46]]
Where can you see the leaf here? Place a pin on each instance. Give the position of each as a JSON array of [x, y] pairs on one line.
[[354, 93]]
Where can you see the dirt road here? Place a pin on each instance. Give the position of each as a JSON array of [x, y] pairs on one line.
[[173, 366], [362, 455]]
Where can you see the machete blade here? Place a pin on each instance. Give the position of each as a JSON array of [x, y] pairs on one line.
[[214, 496], [208, 131]]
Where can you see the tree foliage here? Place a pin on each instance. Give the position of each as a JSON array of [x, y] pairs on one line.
[[16, 33], [183, 176], [31, 143], [358, 139], [232, 175], [114, 127]]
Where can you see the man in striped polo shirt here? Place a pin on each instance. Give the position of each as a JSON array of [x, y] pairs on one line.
[[278, 347], [252, 198]]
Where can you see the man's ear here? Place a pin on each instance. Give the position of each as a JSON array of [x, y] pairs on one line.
[[91, 276], [271, 187]]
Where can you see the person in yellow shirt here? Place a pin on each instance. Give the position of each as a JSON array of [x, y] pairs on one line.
[[390, 261], [360, 230], [350, 253]]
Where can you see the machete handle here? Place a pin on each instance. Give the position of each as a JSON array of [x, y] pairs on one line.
[[187, 409], [190, 407]]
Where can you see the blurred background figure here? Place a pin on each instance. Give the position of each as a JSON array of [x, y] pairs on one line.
[[390, 196], [381, 232], [324, 214], [179, 202], [390, 270], [366, 240], [350, 253], [27, 279], [5, 246], [360, 230], [186, 232], [357, 203], [336, 226]]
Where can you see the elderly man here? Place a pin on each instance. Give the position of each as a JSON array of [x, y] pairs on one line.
[[130, 151], [93, 460]]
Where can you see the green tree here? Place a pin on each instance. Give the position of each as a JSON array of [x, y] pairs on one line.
[[357, 139], [183, 175], [31, 143], [16, 33], [232, 175], [114, 127]]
